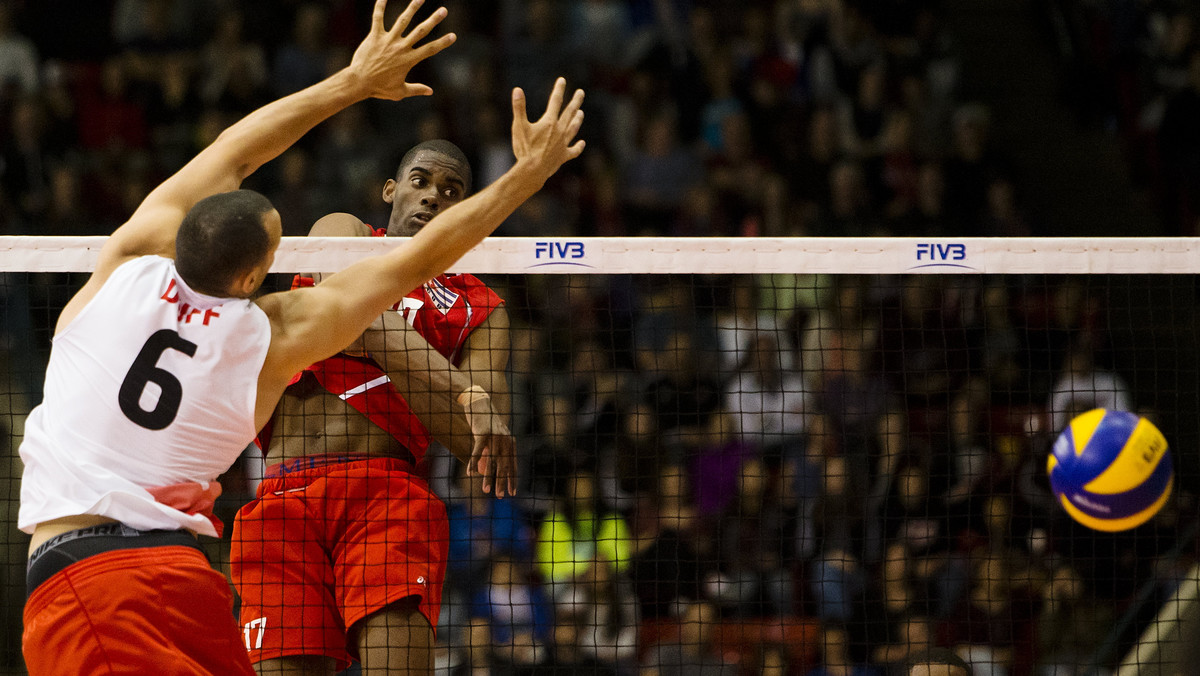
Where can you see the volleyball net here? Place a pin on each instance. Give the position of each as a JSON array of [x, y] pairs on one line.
[[757, 452]]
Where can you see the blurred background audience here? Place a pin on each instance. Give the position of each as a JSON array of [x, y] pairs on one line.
[[779, 474]]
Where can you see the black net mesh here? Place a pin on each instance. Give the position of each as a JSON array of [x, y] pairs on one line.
[[725, 473]]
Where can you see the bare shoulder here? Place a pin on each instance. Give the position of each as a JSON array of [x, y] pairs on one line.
[[339, 224]]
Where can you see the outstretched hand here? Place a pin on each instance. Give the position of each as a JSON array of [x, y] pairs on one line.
[[385, 56], [493, 451], [546, 144]]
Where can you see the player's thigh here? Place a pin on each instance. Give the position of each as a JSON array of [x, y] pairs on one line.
[[397, 624], [300, 665]]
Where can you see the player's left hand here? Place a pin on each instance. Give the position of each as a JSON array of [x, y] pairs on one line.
[[385, 56], [493, 451]]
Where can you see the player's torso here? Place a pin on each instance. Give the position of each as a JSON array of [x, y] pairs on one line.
[[312, 419], [150, 384], [318, 422]]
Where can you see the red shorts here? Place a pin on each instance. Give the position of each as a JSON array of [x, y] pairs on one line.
[[325, 546], [160, 610]]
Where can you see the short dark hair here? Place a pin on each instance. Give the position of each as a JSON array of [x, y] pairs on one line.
[[221, 237], [939, 656], [442, 147]]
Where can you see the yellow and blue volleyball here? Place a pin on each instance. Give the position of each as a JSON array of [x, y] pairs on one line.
[[1111, 470]]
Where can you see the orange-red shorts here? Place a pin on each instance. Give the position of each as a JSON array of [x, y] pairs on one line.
[[155, 610], [326, 545]]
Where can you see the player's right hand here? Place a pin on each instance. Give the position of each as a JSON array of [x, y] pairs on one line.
[[385, 56], [545, 145], [493, 450]]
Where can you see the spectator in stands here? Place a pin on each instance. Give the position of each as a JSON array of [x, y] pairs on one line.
[[1002, 214], [837, 579], [302, 60], [743, 182], [480, 527], [683, 395], [673, 550], [992, 626], [19, 65], [234, 71], [154, 26], [835, 655], [66, 213], [27, 158], [714, 467], [773, 659], [769, 406], [858, 436], [848, 210], [1071, 624], [863, 115], [604, 609], [692, 652], [723, 103], [1171, 33], [914, 636], [110, 120], [294, 197], [476, 657], [578, 532], [927, 216], [972, 160], [1083, 386], [739, 322], [897, 168], [568, 657], [347, 159], [856, 44], [597, 386], [518, 614], [754, 564], [924, 344], [936, 662], [659, 175], [1179, 143], [535, 43], [809, 177]]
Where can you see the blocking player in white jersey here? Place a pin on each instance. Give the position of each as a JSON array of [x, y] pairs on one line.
[[163, 369]]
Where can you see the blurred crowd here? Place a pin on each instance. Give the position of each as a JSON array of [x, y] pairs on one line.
[[846, 483], [753, 474], [1134, 67], [770, 117]]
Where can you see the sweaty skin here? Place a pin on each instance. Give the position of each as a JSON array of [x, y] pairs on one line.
[[317, 422], [312, 421]]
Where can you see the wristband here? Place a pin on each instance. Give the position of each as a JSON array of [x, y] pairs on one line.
[[471, 395]]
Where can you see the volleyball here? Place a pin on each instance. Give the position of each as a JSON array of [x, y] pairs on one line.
[[1111, 470]]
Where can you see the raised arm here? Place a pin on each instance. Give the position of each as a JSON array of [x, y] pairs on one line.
[[377, 70], [311, 324]]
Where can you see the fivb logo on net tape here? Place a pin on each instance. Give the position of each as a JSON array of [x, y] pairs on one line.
[[559, 253], [942, 255]]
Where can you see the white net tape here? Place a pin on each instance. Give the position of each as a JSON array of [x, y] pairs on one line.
[[709, 255]]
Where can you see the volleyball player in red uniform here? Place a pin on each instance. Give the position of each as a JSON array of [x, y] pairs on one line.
[[344, 549], [163, 368]]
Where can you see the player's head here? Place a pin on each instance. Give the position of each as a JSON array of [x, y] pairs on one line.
[[227, 242], [432, 177], [936, 662]]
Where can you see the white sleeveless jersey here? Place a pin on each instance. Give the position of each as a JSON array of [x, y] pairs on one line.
[[151, 385]]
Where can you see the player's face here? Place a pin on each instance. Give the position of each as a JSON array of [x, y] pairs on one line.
[[425, 187]]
